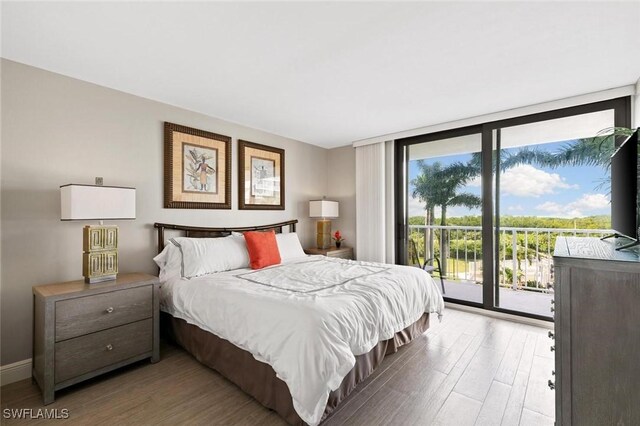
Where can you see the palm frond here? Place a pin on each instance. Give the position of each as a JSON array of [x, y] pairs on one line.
[[465, 199], [527, 156]]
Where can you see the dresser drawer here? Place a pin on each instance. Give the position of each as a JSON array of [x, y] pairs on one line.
[[75, 357], [83, 315]]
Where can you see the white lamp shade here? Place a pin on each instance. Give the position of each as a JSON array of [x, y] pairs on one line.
[[323, 208], [97, 202]]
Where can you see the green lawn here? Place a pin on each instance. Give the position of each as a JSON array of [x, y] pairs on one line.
[[456, 265]]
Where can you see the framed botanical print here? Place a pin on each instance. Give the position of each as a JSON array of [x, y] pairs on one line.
[[260, 177], [197, 168]]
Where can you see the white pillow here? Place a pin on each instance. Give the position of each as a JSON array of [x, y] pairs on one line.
[[170, 262], [289, 246], [201, 256]]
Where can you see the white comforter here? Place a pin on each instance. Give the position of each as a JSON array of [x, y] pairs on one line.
[[309, 333]]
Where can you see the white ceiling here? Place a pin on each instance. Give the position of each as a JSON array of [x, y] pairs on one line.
[[333, 73]]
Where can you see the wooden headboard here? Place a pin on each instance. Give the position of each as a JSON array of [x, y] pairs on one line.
[[202, 232]]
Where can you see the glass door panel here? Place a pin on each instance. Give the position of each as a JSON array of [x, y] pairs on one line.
[[489, 201], [552, 180], [444, 213]]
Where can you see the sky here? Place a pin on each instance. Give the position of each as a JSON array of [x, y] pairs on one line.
[[530, 190]]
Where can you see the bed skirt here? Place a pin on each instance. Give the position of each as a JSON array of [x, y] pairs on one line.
[[259, 380]]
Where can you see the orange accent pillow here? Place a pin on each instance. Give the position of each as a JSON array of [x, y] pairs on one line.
[[262, 248]]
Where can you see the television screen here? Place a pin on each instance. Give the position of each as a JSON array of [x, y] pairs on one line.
[[624, 188]]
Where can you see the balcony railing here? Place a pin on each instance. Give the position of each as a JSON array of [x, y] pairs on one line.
[[525, 254]]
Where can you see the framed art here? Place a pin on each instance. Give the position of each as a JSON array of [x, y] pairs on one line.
[[260, 177], [197, 168]]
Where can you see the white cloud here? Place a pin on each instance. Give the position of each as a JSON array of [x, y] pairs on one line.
[[591, 202], [516, 208], [588, 203], [416, 207], [527, 181]]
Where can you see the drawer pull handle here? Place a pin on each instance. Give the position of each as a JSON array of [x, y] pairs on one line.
[[553, 348], [551, 335], [109, 347], [552, 385], [110, 309], [553, 372], [553, 302], [553, 309]]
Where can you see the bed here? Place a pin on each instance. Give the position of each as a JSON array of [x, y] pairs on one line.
[[299, 336]]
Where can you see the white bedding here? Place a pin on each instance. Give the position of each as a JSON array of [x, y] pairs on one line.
[[311, 334]]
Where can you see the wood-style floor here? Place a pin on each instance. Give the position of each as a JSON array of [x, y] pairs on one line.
[[467, 370]]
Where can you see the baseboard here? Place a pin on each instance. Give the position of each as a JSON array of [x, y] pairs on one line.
[[494, 314], [15, 372]]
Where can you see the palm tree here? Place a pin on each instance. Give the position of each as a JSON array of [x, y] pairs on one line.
[[438, 185]]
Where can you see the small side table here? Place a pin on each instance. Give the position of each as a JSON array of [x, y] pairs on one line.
[[83, 330], [342, 252]]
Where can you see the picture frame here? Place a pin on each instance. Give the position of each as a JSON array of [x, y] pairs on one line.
[[261, 177], [197, 168]]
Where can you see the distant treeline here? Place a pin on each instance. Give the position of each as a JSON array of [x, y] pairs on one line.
[[589, 222]]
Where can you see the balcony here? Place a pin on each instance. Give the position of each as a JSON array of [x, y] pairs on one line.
[[524, 270]]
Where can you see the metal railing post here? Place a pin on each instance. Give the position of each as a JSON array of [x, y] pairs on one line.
[[514, 260], [425, 244], [526, 257]]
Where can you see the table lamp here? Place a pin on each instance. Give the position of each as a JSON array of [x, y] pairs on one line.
[[323, 210], [99, 242]]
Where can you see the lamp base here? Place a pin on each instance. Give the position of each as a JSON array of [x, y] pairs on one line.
[[96, 280], [100, 257], [323, 236]]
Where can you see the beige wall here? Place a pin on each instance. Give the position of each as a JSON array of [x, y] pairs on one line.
[[341, 186], [58, 130]]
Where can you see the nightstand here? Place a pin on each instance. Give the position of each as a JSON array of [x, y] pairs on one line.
[[83, 330], [342, 252]]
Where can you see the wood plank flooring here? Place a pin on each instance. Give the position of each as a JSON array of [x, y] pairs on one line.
[[468, 369]]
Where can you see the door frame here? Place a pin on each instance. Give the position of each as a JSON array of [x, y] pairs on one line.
[[490, 292]]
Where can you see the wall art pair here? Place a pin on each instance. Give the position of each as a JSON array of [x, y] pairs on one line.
[[197, 171]]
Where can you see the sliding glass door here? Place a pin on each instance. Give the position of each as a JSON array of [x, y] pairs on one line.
[[483, 205], [444, 212], [552, 180]]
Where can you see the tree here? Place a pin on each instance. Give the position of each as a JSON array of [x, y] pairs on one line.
[[437, 186]]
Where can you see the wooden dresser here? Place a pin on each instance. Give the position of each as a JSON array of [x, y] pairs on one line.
[[342, 252], [83, 330], [597, 333]]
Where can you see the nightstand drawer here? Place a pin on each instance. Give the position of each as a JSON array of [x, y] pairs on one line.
[[83, 315], [84, 354], [342, 254]]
